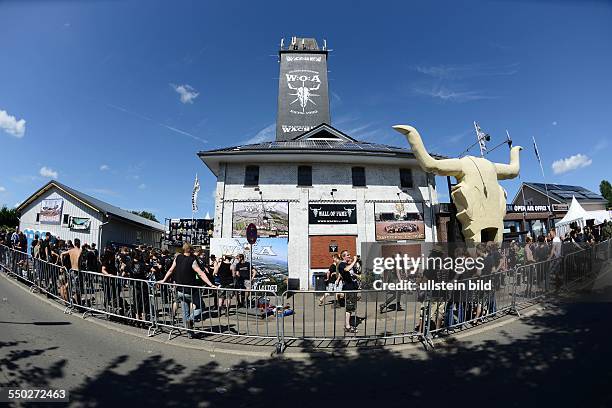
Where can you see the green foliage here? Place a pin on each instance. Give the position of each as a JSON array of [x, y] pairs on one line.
[[146, 214], [605, 188], [8, 217]]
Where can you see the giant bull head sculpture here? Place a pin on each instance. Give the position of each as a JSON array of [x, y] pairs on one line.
[[480, 200]]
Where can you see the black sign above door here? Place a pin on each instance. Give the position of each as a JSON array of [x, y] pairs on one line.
[[332, 214]]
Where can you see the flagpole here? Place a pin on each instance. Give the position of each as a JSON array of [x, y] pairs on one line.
[[545, 184], [509, 141]]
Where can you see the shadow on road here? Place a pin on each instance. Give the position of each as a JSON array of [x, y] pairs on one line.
[[564, 357]]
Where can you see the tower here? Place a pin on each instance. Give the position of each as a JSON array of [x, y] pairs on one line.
[[303, 99]]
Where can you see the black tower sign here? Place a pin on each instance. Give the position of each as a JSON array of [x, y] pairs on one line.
[[303, 100]]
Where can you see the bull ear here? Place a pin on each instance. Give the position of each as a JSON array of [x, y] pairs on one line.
[[442, 167], [508, 171]]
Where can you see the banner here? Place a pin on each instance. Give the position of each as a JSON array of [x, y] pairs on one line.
[[303, 100], [332, 214], [399, 221], [77, 223], [270, 218], [269, 254], [196, 231], [51, 211], [194, 195]]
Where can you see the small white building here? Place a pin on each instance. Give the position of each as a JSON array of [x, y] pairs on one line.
[[68, 214]]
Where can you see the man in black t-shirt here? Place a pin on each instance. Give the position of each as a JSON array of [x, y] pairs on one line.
[[109, 283], [185, 268], [45, 251], [244, 276]]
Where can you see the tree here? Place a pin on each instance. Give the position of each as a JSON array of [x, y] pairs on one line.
[[605, 188], [146, 214], [8, 217]]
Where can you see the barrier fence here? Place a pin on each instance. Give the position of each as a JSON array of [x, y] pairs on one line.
[[297, 316]]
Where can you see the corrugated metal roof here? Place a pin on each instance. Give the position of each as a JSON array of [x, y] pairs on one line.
[[100, 205]]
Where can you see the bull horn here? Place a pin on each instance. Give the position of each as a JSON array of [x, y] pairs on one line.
[[442, 167], [508, 171]]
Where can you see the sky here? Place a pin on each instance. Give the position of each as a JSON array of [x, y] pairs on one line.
[[115, 98]]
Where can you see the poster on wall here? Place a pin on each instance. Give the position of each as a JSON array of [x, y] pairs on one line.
[[399, 221], [332, 214], [77, 223], [196, 231], [270, 218], [51, 211], [269, 254]]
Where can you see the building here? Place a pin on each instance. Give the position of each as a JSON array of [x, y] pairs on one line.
[[542, 201], [68, 214], [315, 190]]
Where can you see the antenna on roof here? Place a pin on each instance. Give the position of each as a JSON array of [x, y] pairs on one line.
[[303, 46], [324, 44], [282, 43]]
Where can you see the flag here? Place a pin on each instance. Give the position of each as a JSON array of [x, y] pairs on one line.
[[482, 138], [535, 148], [194, 195]]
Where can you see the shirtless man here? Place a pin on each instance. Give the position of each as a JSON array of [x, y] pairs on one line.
[[75, 253]]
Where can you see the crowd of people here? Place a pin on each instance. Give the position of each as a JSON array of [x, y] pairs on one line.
[[189, 267], [194, 268]]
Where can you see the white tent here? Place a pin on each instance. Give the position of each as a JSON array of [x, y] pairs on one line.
[[579, 215]]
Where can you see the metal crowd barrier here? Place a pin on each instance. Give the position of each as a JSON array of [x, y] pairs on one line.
[[306, 315], [377, 315]]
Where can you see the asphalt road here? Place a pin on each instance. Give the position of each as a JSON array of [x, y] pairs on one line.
[[560, 355]]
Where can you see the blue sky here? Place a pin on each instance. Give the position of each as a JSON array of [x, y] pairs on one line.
[[114, 98]]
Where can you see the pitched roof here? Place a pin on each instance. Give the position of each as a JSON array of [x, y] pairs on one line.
[[321, 138], [93, 203]]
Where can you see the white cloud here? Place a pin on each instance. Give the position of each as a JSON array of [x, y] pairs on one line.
[[48, 172], [187, 92], [450, 71], [571, 163], [554, 123], [600, 145], [2, 189], [104, 167], [266, 134], [449, 95], [11, 125], [142, 186]]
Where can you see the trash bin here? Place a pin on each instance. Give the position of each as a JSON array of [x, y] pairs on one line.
[[318, 280]]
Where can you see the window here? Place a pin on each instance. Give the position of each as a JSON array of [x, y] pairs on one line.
[[37, 217], [406, 178], [304, 176], [251, 176], [359, 178], [66, 219]]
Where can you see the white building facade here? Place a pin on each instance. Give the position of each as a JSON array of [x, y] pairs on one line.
[[396, 194]]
